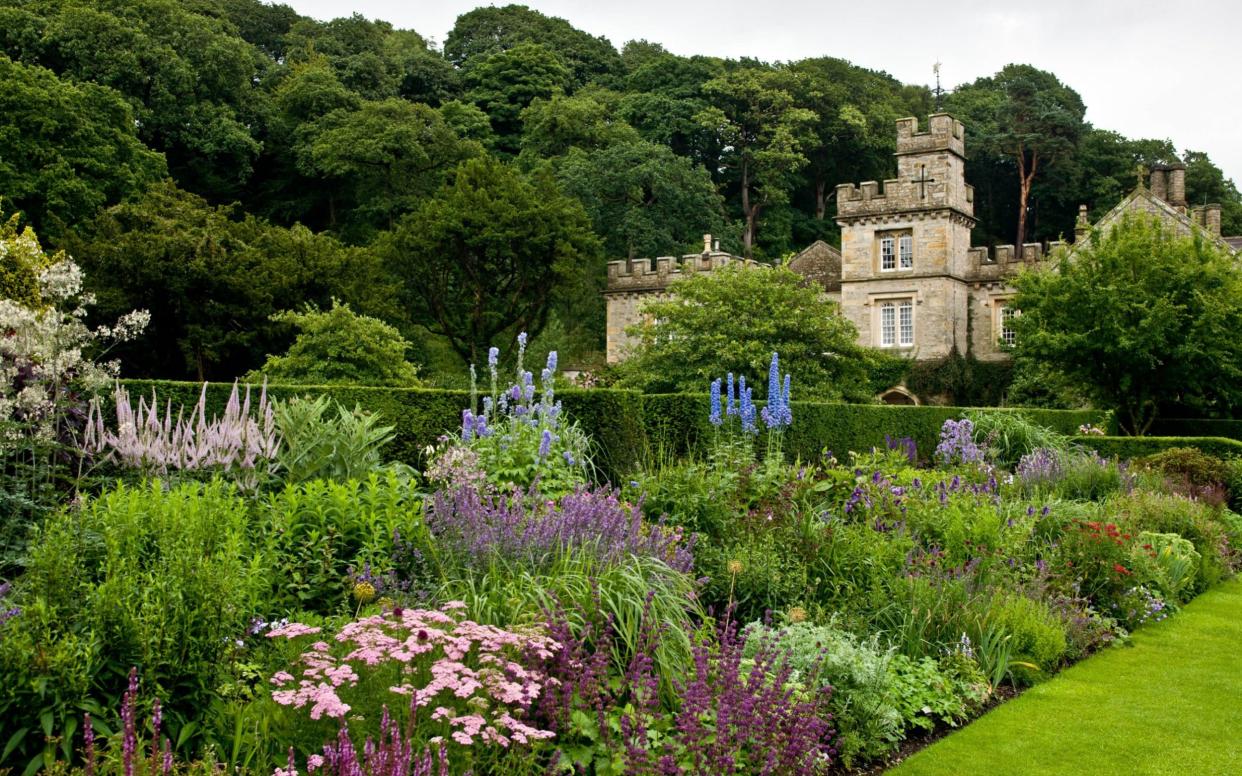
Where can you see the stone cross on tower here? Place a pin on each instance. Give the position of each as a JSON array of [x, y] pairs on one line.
[[923, 180]]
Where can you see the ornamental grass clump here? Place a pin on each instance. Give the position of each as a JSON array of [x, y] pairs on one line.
[[476, 527], [473, 680]]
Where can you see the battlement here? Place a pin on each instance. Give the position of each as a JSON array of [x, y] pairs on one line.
[[943, 133], [655, 274], [895, 195], [1003, 260]]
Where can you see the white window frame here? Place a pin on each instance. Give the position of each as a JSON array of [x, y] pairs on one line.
[[1005, 313], [895, 322], [888, 253], [905, 323], [905, 251]]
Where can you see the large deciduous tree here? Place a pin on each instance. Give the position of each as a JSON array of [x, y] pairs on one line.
[[764, 136], [507, 82], [484, 257], [1026, 116], [68, 148], [732, 320], [643, 199], [211, 280], [1140, 318]]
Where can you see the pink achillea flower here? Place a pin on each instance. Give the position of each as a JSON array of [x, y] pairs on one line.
[[473, 675]]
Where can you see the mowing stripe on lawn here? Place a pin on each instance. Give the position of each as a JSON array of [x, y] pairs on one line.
[[1169, 703]]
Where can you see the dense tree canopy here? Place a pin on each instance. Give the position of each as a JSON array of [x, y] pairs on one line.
[[322, 134], [484, 256], [1137, 318]]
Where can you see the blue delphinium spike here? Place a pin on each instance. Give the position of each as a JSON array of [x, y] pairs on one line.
[[715, 417]]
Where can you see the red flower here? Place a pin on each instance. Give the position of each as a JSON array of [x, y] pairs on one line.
[[1120, 569]]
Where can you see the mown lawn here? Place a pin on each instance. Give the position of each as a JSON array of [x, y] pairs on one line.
[[1169, 704]]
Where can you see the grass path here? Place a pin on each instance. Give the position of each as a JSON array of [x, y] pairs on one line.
[[1171, 703]]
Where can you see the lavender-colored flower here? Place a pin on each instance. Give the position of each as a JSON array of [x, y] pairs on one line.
[[493, 357], [957, 443], [545, 443], [473, 527], [467, 425], [522, 340]]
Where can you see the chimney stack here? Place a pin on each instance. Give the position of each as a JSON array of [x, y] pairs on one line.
[[1082, 227], [707, 243], [1159, 183], [1177, 187], [1211, 219]]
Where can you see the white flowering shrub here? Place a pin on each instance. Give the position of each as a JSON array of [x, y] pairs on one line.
[[50, 363]]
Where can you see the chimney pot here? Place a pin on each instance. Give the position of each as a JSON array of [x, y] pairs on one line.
[[707, 243]]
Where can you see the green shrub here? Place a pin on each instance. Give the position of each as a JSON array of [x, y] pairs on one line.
[[862, 703], [1167, 562], [164, 580], [1085, 476], [928, 692], [1192, 520], [1036, 635], [1191, 472], [1128, 448], [317, 532]]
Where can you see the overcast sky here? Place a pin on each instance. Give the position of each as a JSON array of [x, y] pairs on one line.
[[1145, 69]]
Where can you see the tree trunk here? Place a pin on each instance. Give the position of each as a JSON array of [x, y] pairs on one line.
[[1025, 178], [748, 212]]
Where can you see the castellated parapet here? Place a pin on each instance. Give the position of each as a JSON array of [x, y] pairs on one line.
[[930, 174], [633, 283]]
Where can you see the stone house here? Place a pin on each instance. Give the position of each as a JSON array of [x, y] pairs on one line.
[[906, 274]]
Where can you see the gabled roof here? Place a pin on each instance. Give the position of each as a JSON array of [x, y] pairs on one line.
[[820, 263], [1142, 200]]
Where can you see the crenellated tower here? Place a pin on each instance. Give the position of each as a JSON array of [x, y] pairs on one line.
[[905, 245]]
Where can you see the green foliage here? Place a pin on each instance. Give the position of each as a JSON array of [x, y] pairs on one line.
[[1129, 448], [70, 148], [965, 380], [762, 133], [21, 262], [642, 198], [588, 590], [1167, 561], [484, 31], [170, 251], [162, 579], [506, 82], [1189, 467], [1011, 435], [339, 346], [732, 320], [482, 258], [341, 448], [863, 693], [1192, 520], [928, 692], [317, 532], [1161, 329], [384, 158], [1035, 635]]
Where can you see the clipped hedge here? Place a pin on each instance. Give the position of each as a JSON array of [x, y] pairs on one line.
[[677, 424], [627, 427], [1126, 447], [420, 416], [1197, 427]]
